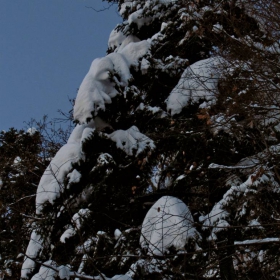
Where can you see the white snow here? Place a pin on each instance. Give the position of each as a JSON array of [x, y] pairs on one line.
[[168, 223], [86, 247], [78, 217], [74, 177], [199, 81], [116, 38], [32, 251], [67, 234], [195, 28], [217, 28], [46, 273], [167, 1], [77, 220], [82, 265], [105, 159], [180, 177], [250, 162], [255, 241], [221, 122], [138, 18], [117, 234], [131, 141], [254, 223], [218, 166], [100, 124], [98, 86], [116, 277], [128, 5], [129, 39], [156, 177], [149, 266], [134, 51], [125, 6], [121, 277], [152, 109], [64, 272], [17, 160], [87, 132], [217, 216], [51, 183], [145, 65], [31, 130]]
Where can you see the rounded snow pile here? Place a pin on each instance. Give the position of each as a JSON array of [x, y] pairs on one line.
[[168, 223]]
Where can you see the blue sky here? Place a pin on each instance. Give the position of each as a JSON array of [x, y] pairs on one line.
[[46, 48]]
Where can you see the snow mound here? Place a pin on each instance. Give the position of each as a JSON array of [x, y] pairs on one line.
[[138, 18], [46, 273], [74, 177], [128, 5], [77, 221], [51, 183], [64, 272], [98, 86], [168, 223], [31, 130], [132, 141], [32, 251], [118, 40], [199, 81], [68, 233]]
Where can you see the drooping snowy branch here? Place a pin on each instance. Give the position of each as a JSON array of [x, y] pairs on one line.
[[51, 183], [98, 86]]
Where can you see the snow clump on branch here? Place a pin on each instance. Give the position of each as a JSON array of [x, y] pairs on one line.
[[168, 223]]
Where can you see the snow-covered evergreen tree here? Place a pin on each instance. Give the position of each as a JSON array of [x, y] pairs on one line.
[[172, 169]]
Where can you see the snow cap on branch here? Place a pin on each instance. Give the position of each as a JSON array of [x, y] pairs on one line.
[[168, 223]]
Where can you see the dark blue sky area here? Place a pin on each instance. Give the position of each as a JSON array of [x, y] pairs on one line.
[[46, 48]]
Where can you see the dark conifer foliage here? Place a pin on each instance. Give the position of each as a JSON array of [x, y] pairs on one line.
[[21, 166]]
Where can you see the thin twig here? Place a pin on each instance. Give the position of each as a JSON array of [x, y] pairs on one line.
[[101, 10]]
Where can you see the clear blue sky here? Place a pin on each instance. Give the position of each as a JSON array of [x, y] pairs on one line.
[[46, 48]]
